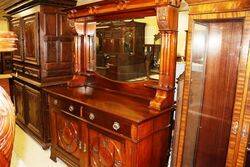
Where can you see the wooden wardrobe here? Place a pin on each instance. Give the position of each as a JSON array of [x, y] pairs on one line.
[[215, 118], [43, 58]]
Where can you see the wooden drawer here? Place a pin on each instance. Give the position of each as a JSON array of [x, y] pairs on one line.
[[33, 72], [66, 106], [108, 121], [94, 116]]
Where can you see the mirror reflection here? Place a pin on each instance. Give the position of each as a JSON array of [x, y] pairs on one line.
[[128, 50]]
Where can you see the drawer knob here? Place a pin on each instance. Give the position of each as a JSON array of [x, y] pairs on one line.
[[116, 126], [55, 102], [71, 108], [91, 116]]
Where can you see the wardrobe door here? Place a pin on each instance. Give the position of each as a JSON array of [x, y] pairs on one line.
[[17, 29], [215, 59], [31, 39]]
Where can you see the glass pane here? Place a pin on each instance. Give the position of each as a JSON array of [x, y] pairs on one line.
[[215, 57]]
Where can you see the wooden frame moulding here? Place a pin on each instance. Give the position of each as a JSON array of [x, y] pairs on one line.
[[167, 19], [207, 10]]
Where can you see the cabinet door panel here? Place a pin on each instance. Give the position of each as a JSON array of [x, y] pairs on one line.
[[31, 39], [105, 151], [34, 110], [18, 90], [16, 28], [68, 134]]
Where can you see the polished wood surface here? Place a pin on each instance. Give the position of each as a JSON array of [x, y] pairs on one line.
[[133, 109], [219, 10]]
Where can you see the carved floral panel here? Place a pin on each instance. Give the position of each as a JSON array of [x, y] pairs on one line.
[[104, 151]]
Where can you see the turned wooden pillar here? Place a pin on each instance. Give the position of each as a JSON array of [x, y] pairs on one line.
[[167, 19]]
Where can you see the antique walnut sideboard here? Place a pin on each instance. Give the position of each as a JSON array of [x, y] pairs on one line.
[[97, 121]]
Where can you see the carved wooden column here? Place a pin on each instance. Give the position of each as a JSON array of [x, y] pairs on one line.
[[167, 19], [79, 62]]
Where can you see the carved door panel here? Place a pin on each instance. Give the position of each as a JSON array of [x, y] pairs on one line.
[[18, 90], [105, 151], [17, 29], [33, 110], [31, 39], [69, 134]]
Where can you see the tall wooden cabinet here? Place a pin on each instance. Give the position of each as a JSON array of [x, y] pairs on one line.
[[43, 58], [214, 123]]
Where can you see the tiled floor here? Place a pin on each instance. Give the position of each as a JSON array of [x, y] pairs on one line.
[[28, 153]]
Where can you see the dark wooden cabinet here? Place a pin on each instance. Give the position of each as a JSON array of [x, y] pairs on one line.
[[31, 107], [43, 57]]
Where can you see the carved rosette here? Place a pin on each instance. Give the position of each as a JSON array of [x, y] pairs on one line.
[[105, 152], [7, 128], [68, 136]]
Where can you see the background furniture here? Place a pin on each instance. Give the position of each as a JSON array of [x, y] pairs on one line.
[[120, 50], [214, 122], [5, 62], [44, 57], [97, 121]]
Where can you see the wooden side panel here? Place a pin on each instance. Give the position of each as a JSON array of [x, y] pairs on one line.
[[18, 91], [33, 109]]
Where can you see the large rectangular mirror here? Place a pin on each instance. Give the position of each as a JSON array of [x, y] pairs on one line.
[[128, 50]]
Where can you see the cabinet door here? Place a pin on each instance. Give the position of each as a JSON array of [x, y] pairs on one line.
[[33, 110], [105, 151], [69, 134], [31, 39], [18, 97], [215, 58], [17, 29]]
